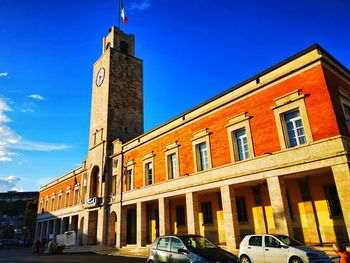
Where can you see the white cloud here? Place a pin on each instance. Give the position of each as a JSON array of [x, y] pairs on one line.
[[4, 74], [36, 97], [10, 140], [142, 5], [41, 147], [10, 183]]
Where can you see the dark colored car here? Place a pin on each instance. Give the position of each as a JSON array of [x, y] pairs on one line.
[[9, 243], [188, 249]]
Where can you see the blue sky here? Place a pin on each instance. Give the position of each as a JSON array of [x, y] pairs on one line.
[[192, 50]]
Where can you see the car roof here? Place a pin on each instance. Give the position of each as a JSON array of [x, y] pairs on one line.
[[180, 235]]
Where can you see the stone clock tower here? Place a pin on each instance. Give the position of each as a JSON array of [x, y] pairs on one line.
[[116, 113], [117, 91]]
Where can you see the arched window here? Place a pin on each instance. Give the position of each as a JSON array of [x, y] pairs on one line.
[[124, 47], [108, 45], [94, 182]]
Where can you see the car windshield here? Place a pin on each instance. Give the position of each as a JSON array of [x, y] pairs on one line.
[[288, 241], [197, 242]]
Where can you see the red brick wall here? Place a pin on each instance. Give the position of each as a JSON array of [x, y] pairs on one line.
[[334, 82], [55, 189], [264, 132]]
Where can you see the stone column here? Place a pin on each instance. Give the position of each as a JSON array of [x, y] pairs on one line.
[[192, 213], [62, 226], [47, 229], [85, 229], [164, 217], [54, 227], [101, 224], [36, 230], [118, 226], [70, 223], [341, 174], [141, 224], [41, 230], [230, 217], [279, 204]]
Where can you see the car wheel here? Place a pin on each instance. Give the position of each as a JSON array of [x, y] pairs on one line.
[[244, 259], [295, 260]]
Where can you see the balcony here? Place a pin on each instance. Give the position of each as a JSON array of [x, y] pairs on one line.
[[93, 202]]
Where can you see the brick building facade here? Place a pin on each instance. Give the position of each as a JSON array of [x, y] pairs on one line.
[[270, 155]]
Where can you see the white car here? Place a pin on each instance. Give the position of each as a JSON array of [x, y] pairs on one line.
[[267, 248]]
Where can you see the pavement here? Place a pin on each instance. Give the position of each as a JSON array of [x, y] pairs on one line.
[[26, 255]]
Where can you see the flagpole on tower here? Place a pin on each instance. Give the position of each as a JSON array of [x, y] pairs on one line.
[[119, 13]]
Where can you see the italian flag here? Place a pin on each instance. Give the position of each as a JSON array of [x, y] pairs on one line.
[[122, 13]]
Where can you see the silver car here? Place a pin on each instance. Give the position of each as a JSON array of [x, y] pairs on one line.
[[189, 249]]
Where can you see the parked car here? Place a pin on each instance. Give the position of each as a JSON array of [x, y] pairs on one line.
[[9, 243], [187, 248], [266, 248]]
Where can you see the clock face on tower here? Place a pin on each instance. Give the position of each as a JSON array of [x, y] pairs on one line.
[[100, 77]]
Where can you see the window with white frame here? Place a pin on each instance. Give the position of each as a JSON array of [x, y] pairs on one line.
[[346, 109], [76, 195], [149, 173], [84, 185], [41, 206], [46, 204], [294, 128], [344, 97], [129, 176], [59, 201], [52, 203], [172, 160], [292, 121], [240, 139], [148, 168], [203, 160], [201, 150], [67, 198]]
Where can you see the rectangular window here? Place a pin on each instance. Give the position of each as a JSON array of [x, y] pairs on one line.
[[255, 241], [257, 196], [304, 189], [333, 201], [46, 204], [172, 161], [163, 243], [59, 203], [76, 196], [207, 213], [149, 173], [67, 198], [52, 203], [84, 186], [128, 179], [294, 128], [271, 242], [241, 210], [41, 207], [203, 156], [180, 215], [242, 144], [347, 115]]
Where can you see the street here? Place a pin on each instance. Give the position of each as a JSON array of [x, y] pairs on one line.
[[26, 255]]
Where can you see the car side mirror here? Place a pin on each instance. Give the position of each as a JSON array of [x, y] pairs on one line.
[[282, 246], [182, 250]]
